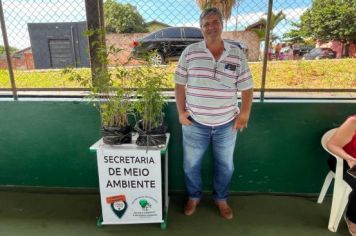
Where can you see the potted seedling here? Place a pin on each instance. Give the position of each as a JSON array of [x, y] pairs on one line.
[[149, 104], [114, 107]]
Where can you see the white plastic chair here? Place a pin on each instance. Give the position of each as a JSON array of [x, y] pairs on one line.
[[341, 188]]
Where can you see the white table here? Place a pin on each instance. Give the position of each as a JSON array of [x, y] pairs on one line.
[[132, 147]]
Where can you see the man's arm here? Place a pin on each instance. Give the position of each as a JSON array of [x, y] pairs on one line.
[[246, 102], [180, 101]]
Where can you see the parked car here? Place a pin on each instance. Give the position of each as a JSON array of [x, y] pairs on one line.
[[304, 49], [168, 44], [320, 53]]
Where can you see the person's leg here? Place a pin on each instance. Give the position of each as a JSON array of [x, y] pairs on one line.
[[351, 206], [196, 139], [223, 141]]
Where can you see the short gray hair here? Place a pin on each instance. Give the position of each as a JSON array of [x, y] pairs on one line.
[[211, 11]]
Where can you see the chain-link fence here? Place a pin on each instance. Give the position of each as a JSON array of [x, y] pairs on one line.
[[45, 36]]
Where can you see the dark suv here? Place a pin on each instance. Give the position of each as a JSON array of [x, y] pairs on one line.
[[320, 53], [169, 43]]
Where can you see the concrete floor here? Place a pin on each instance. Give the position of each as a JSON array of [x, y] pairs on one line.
[[28, 213]]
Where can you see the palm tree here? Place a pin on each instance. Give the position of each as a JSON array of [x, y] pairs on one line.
[[275, 20], [225, 6], [261, 34]]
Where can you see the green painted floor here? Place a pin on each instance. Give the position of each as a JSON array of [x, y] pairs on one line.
[[26, 213]]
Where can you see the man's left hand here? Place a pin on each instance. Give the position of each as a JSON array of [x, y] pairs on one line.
[[240, 122]]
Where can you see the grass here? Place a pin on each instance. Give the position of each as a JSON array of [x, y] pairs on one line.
[[40, 79], [321, 74]]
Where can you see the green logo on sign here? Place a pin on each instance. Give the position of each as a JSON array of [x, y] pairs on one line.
[[144, 204]]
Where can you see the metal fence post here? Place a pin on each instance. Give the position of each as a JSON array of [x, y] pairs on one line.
[[265, 52], [95, 21], [7, 51]]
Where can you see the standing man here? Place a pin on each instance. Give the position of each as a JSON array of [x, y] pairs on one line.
[[208, 76]]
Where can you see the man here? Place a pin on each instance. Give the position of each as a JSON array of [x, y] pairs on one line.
[[208, 76]]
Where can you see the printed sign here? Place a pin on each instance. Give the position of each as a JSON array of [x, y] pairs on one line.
[[130, 185]]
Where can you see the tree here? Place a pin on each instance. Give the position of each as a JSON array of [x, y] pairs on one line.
[[225, 6], [296, 34], [275, 20], [2, 50], [123, 18], [328, 20]]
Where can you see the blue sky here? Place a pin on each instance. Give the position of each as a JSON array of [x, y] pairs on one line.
[[186, 12], [173, 12]]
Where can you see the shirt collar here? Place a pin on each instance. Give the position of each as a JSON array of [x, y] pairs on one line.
[[227, 46]]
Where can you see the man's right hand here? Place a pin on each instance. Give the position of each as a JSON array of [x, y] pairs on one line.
[[183, 118]]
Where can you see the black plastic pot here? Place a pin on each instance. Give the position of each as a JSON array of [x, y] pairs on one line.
[[117, 135], [152, 137]]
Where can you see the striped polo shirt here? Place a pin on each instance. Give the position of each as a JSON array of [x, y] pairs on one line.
[[211, 86]]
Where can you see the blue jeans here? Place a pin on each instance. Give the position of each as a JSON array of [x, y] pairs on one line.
[[196, 140]]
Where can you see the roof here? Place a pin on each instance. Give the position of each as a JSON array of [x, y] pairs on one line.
[[22, 50], [257, 25], [157, 23]]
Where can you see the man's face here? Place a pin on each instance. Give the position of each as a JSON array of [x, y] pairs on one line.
[[211, 27]]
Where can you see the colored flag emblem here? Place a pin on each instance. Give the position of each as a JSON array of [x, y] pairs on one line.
[[118, 204]]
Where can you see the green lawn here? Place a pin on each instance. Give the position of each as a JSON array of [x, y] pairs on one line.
[[321, 74]]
